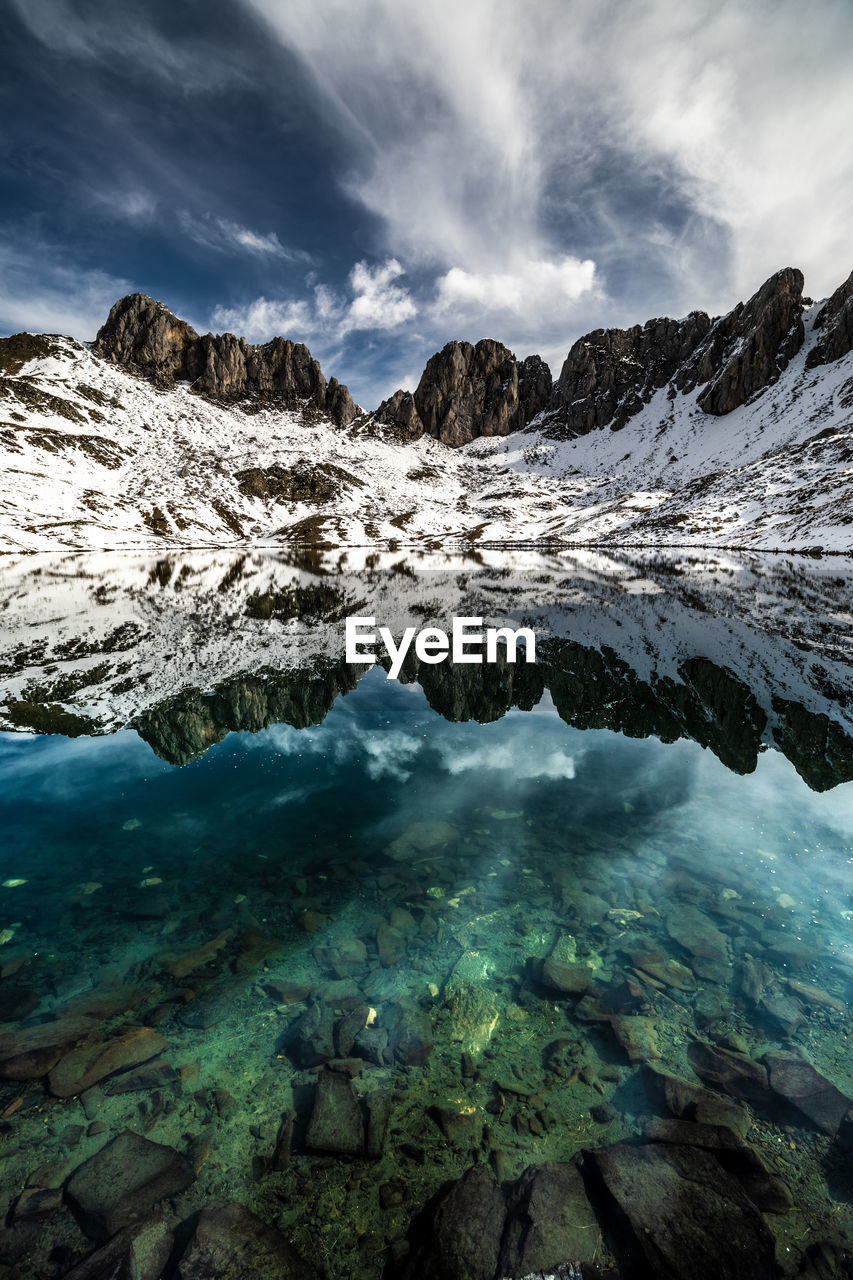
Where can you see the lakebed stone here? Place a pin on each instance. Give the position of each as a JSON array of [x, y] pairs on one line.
[[123, 1181], [79, 1069], [694, 931], [138, 1252], [33, 1052], [462, 1237], [765, 1189], [549, 1222], [734, 1073], [230, 1240], [336, 1123], [689, 1218], [800, 1083]]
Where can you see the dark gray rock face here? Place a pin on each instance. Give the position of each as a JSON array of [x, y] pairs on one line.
[[550, 1222], [468, 391], [141, 1251], [834, 323], [400, 411], [123, 1181], [230, 1240], [336, 1123], [610, 374], [145, 336], [796, 1080], [746, 350]]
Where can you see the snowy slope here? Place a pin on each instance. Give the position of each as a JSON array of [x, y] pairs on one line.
[[95, 458]]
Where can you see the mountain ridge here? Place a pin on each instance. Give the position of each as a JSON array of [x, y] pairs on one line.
[[728, 432]]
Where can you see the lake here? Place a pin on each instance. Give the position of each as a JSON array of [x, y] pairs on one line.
[[561, 948]]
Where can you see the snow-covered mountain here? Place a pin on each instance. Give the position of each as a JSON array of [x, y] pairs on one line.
[[734, 432]]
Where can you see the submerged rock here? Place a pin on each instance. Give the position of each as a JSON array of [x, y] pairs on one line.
[[336, 1123], [311, 1041], [151, 1075], [567, 979], [91, 1063], [688, 1101], [693, 930], [138, 1252], [34, 1051], [638, 1036], [732, 1072], [123, 1181], [689, 1219], [800, 1083], [229, 1240], [463, 1233], [767, 1191], [409, 1031], [549, 1222], [470, 1001]]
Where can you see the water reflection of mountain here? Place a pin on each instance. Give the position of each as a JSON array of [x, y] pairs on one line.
[[737, 655], [590, 690]]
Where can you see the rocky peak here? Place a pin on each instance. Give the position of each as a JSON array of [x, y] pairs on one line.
[[834, 323], [610, 374], [468, 391], [145, 336], [400, 412], [746, 350]]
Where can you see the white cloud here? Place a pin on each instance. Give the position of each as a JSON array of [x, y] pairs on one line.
[[703, 144], [225, 236], [510, 756], [40, 294], [522, 306], [373, 302], [377, 302]]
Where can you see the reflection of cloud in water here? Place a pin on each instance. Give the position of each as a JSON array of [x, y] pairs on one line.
[[66, 768], [524, 746], [509, 756], [382, 753]]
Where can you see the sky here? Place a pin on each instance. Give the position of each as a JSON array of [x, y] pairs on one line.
[[377, 177]]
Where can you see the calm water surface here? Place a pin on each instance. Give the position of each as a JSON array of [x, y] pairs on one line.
[[504, 905]]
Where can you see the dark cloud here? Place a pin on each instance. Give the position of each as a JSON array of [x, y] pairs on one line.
[[378, 178]]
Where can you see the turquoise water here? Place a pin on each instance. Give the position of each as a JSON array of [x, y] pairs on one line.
[[397, 871]]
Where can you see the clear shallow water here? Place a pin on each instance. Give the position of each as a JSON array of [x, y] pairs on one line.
[[392, 868]]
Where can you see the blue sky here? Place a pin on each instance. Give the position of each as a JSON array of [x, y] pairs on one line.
[[378, 176]]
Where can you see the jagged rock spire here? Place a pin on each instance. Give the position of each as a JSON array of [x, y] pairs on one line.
[[144, 335]]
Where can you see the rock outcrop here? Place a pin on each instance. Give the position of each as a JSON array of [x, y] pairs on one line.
[[610, 374], [144, 336], [834, 323], [468, 391], [746, 350]]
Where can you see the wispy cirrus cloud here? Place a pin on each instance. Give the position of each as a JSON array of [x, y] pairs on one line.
[[683, 147], [41, 293], [223, 235]]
